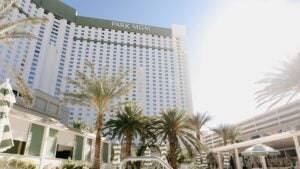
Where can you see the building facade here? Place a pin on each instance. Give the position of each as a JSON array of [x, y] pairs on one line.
[[155, 57]]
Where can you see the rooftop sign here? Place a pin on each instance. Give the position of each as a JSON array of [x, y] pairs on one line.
[[130, 26]]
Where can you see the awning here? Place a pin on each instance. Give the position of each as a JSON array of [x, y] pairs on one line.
[[19, 128]]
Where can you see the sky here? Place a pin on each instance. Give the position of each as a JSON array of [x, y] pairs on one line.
[[231, 44]]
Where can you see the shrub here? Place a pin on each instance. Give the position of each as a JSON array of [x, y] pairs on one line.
[[70, 164], [13, 163]]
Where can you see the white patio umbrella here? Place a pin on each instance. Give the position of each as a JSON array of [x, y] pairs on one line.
[[7, 99], [260, 150]]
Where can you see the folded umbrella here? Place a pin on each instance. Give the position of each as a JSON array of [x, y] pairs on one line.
[[7, 99]]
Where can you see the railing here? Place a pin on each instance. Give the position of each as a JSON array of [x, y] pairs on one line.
[[143, 158]]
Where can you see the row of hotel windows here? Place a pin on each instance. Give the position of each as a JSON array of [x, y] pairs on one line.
[[105, 35], [96, 30], [36, 56], [115, 47], [62, 62], [122, 42], [90, 29]]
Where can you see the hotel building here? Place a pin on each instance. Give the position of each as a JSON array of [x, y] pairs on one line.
[[155, 57]]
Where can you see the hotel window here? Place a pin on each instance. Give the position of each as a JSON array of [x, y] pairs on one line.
[[78, 148], [105, 151], [52, 141], [34, 140], [53, 109], [89, 150], [40, 104]]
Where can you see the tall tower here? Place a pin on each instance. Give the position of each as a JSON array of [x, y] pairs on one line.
[[155, 57]]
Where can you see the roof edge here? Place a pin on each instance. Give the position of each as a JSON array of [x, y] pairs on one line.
[[64, 11]]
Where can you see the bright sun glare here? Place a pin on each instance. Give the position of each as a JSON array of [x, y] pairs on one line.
[[244, 40]]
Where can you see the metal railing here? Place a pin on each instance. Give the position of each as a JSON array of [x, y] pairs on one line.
[[143, 158]]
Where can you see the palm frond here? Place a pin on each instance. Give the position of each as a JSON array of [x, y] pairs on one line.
[[22, 86], [174, 122], [227, 132], [283, 84], [128, 120], [10, 26], [5, 5], [198, 120], [77, 98], [8, 37]]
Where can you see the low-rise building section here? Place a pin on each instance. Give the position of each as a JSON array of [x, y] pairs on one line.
[[40, 134], [277, 120], [277, 128]]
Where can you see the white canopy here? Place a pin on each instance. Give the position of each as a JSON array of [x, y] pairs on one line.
[[260, 150]]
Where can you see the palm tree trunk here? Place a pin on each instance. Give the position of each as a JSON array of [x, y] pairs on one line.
[[198, 135], [98, 144], [172, 143], [128, 143], [225, 141], [128, 146]]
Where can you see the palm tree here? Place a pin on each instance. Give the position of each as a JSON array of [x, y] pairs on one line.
[[227, 132], [223, 131], [77, 124], [174, 126], [284, 84], [99, 94], [211, 160], [11, 30], [234, 134], [198, 120], [26, 92], [129, 122]]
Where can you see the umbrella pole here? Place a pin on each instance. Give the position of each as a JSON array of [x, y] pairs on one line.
[[263, 162]]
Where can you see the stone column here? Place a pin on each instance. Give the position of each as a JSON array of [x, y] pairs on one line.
[[237, 159], [84, 148], [263, 161], [220, 161], [296, 142], [44, 146]]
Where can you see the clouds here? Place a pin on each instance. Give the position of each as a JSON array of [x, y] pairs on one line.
[[244, 40]]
